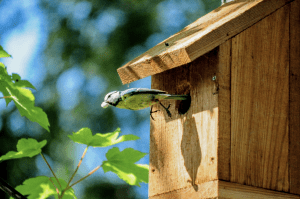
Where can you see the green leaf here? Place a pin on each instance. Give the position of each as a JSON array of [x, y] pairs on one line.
[[3, 88], [4, 79], [21, 83], [15, 76], [11, 86], [41, 188], [84, 136], [3, 53], [122, 163], [25, 83], [24, 101], [25, 148], [2, 70]]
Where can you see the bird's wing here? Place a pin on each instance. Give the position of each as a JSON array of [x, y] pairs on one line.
[[132, 91]]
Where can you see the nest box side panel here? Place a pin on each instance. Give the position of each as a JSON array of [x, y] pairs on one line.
[[295, 97], [260, 104], [183, 148]]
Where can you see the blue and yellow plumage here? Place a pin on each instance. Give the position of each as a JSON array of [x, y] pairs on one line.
[[139, 98]]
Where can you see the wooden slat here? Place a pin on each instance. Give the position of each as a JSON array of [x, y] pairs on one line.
[[294, 85], [205, 190], [183, 149], [224, 83], [199, 37], [237, 191], [260, 104], [222, 189]]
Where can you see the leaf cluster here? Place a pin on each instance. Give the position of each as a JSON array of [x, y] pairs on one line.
[[120, 162], [15, 89]]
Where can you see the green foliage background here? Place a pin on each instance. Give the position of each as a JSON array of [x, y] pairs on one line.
[[71, 42]]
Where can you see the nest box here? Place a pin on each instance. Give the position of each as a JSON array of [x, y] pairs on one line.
[[240, 137]]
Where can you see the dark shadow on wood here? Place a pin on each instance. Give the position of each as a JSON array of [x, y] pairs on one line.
[[191, 150]]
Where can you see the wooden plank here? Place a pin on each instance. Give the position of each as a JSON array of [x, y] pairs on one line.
[[224, 82], [294, 86], [183, 149], [237, 191], [199, 37], [260, 104], [222, 189], [205, 190]]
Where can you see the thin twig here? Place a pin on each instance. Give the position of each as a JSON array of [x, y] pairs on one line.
[[57, 191], [73, 175], [5, 97], [90, 173], [51, 169], [80, 161]]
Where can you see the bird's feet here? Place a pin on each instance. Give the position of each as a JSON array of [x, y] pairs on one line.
[[152, 112], [167, 109]]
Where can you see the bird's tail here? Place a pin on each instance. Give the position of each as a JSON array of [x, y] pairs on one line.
[[178, 97]]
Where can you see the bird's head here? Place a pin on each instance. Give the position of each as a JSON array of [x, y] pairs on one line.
[[111, 98]]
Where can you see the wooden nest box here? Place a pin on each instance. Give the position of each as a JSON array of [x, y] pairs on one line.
[[241, 136]]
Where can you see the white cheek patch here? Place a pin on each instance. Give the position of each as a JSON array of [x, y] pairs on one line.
[[105, 98], [114, 97], [109, 95]]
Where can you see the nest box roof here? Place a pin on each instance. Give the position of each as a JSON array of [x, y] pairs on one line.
[[198, 38]]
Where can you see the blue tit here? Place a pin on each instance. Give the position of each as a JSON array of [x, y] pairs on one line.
[[139, 98]]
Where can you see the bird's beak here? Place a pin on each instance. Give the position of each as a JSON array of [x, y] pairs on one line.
[[104, 104]]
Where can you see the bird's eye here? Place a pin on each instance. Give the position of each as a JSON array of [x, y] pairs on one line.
[[106, 97]]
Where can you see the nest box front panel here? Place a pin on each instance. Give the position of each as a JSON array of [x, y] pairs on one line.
[[183, 148]]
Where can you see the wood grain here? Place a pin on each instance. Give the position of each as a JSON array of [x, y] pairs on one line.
[[294, 86], [243, 127], [224, 103], [237, 191], [205, 190], [260, 104], [183, 149], [198, 38], [223, 190]]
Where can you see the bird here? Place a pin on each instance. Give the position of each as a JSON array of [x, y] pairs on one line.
[[139, 98]]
